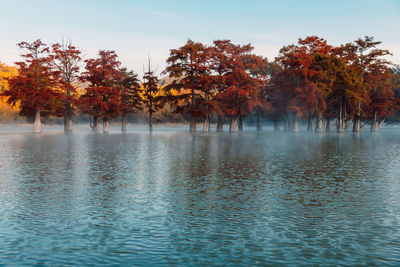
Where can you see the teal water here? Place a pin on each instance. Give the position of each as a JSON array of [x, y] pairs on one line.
[[174, 198]]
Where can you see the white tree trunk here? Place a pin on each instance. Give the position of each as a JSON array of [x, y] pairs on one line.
[[192, 127], [341, 119], [310, 124], [374, 126], [206, 125], [357, 124], [341, 127], [123, 123], [295, 125], [68, 123], [234, 126], [106, 125], [319, 127], [37, 124]]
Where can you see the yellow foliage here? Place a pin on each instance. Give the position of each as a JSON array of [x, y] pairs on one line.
[[7, 112]]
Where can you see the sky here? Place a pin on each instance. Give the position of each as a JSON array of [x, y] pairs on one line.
[[139, 29]]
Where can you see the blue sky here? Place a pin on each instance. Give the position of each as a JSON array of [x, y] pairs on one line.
[[136, 29]]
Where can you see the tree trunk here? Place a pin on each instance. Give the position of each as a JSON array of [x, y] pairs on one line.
[[220, 124], [192, 127], [328, 124], [259, 126], [106, 125], [240, 123], [310, 124], [341, 123], [375, 125], [123, 123], [233, 127], [319, 127], [206, 126], [276, 125], [287, 124], [68, 121], [37, 124], [295, 125], [95, 124], [150, 110], [357, 124], [381, 123], [150, 121], [357, 121]]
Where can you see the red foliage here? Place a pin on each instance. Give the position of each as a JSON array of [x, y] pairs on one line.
[[381, 102], [188, 66], [35, 86], [297, 61], [102, 97], [240, 76], [66, 59]]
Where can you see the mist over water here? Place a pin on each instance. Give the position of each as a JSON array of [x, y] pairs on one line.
[[172, 197]]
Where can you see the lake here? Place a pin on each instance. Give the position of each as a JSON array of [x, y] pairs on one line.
[[175, 198]]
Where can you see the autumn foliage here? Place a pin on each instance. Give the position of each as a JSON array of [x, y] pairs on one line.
[[325, 85], [35, 88]]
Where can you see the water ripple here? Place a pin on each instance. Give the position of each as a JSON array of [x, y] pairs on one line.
[[174, 198]]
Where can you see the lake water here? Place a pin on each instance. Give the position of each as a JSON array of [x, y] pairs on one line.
[[175, 198]]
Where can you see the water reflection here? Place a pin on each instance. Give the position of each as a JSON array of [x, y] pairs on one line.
[[179, 198]]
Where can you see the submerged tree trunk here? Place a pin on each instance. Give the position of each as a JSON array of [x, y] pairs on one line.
[[240, 123], [341, 119], [192, 126], [328, 124], [106, 125], [276, 125], [123, 123], [380, 123], [319, 127], [259, 126], [376, 124], [206, 126], [150, 110], [357, 120], [95, 124], [151, 121], [68, 114], [37, 124], [233, 127], [68, 121], [357, 124], [287, 124], [310, 123], [295, 124], [220, 124]]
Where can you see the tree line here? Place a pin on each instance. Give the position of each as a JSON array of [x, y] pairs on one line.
[[328, 86]]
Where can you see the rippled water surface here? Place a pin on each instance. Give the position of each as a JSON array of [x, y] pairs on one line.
[[174, 198]]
